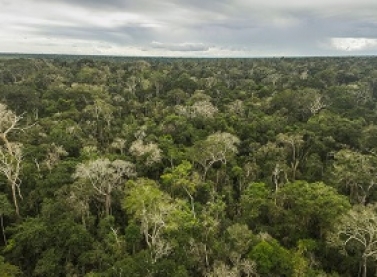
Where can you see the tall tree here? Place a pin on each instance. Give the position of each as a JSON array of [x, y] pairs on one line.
[[10, 153], [156, 213], [105, 177], [300, 209], [356, 232], [297, 151], [219, 147], [357, 173], [181, 177]]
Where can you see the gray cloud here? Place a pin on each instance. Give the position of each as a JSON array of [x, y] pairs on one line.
[[251, 27], [127, 34]]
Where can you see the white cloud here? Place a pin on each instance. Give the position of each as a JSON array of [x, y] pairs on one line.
[[186, 46], [354, 44]]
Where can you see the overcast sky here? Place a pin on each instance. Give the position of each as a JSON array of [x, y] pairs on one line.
[[196, 28]]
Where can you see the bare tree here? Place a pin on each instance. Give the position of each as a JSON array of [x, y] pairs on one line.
[[8, 123], [131, 83], [218, 147], [118, 144], [317, 104], [10, 167], [105, 176], [295, 146], [10, 153], [201, 109], [150, 151], [357, 231], [54, 155]]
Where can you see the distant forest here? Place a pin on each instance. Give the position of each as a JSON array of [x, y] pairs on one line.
[[133, 167]]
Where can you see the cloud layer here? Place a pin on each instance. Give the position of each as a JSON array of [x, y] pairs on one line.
[[237, 28]]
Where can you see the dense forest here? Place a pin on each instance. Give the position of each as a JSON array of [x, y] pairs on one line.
[[188, 167]]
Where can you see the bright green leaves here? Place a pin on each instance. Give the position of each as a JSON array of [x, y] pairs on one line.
[[157, 214], [297, 210], [255, 201], [271, 257], [182, 178], [307, 210]]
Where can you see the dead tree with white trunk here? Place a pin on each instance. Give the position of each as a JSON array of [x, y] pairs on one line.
[[10, 153]]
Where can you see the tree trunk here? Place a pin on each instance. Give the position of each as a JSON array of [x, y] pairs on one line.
[[191, 201], [294, 169], [3, 229], [108, 204], [15, 199], [364, 274]]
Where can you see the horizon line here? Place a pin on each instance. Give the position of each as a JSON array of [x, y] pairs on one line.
[[188, 57]]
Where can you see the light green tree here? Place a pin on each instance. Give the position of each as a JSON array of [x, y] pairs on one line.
[[157, 214], [182, 177]]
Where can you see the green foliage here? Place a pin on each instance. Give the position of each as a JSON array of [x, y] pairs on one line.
[[300, 211], [272, 259], [354, 174], [8, 270], [237, 167], [6, 208], [255, 203]]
